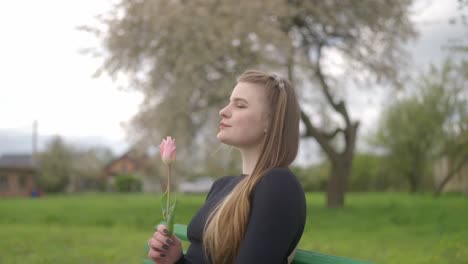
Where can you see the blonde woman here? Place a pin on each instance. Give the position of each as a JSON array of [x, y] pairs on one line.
[[257, 216]]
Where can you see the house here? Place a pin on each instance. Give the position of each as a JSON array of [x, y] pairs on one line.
[[18, 175], [125, 164], [133, 163]]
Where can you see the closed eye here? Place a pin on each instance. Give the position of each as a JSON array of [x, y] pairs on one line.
[[240, 102]]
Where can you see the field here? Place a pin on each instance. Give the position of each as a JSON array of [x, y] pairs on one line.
[[113, 228]]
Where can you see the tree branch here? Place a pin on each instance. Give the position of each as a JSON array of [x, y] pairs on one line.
[[312, 131], [450, 175], [340, 106], [330, 136]]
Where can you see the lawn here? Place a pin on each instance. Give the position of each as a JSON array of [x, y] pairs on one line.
[[113, 228]]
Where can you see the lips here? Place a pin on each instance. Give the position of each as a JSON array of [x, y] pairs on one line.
[[224, 125]]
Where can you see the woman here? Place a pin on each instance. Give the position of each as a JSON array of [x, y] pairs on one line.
[[259, 216]]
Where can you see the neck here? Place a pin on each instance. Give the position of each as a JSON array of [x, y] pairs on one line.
[[249, 160]]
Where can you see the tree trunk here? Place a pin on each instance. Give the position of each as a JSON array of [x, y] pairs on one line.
[[449, 176], [341, 162], [336, 187], [414, 184]]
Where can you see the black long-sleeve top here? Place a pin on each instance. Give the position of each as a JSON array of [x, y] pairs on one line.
[[276, 221]]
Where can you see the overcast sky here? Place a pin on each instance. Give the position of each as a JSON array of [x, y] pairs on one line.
[[44, 78]]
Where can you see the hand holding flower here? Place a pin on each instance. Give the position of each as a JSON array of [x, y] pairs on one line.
[[164, 248]]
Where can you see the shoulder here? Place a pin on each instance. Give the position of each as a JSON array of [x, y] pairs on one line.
[[279, 193], [279, 176], [279, 171], [279, 181], [224, 180], [223, 184]]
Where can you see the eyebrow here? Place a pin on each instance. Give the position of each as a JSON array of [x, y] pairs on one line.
[[237, 99]]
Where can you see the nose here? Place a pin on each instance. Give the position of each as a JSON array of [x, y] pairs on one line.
[[224, 113]]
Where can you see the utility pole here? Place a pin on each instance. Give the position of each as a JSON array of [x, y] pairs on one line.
[[34, 140]]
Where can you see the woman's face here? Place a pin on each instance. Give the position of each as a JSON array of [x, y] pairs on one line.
[[246, 117]]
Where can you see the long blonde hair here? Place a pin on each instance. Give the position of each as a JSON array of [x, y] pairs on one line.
[[227, 223]]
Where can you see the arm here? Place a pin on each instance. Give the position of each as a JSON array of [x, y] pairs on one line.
[[212, 191], [276, 221]]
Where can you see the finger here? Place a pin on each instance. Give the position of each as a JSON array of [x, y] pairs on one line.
[[161, 235], [163, 230], [158, 257], [157, 245], [168, 241]]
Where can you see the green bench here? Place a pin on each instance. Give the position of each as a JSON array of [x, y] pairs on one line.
[[301, 257]]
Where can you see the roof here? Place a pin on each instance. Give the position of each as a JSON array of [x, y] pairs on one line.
[[133, 154], [18, 161]]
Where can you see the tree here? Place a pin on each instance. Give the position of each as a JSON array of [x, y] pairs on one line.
[[371, 173], [459, 44], [422, 127], [456, 152], [55, 165], [455, 143], [183, 55], [87, 166]]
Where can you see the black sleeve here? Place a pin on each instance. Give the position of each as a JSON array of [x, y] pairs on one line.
[[276, 220], [214, 186], [181, 260]]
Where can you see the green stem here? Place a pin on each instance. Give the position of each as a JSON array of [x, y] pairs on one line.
[[168, 190]]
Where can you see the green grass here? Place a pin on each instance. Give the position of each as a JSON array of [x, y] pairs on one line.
[[112, 228]]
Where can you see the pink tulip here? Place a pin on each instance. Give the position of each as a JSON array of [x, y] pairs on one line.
[[168, 150]]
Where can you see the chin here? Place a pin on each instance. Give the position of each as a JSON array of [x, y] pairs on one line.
[[223, 139], [220, 137]]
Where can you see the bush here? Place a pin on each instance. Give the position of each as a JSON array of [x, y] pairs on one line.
[[369, 173], [127, 183], [373, 173], [313, 178]]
